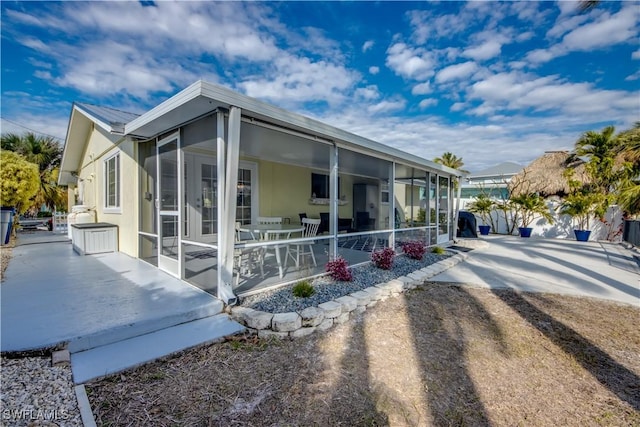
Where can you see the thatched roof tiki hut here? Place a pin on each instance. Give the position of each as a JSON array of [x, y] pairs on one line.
[[546, 175]]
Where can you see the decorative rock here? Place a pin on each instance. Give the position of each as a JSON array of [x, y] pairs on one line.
[[374, 293], [343, 318], [259, 319], [348, 303], [312, 316], [362, 298], [268, 333], [286, 322], [326, 324], [395, 285], [372, 304], [417, 276], [383, 290], [61, 357], [241, 314], [360, 309], [302, 332], [331, 309]]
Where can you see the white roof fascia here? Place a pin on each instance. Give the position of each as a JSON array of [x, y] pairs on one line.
[[284, 117]]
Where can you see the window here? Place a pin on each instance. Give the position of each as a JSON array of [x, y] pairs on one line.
[[320, 186], [112, 183], [384, 194]]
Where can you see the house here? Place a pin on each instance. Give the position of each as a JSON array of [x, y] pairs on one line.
[[177, 179], [492, 181]]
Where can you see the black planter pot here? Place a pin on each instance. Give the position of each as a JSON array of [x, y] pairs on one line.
[[525, 231]]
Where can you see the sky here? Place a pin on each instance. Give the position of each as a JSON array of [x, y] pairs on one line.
[[488, 81]]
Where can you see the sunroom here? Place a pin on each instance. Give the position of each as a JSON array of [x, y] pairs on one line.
[[227, 187]]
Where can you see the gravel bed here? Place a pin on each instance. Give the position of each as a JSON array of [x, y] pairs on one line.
[[36, 393], [281, 300]]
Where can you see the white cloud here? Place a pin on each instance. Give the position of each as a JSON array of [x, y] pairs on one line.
[[408, 62], [636, 54], [607, 31], [422, 89], [368, 93], [456, 72], [367, 45], [387, 106], [427, 102], [374, 70], [486, 50], [458, 106]]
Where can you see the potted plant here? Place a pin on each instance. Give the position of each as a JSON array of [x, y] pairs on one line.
[[580, 206], [482, 206], [528, 206]]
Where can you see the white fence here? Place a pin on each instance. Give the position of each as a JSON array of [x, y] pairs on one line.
[[562, 227]]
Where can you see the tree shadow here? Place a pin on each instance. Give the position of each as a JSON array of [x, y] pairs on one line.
[[621, 381], [442, 345]]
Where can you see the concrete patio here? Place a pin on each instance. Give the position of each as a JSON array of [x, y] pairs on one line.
[[593, 269], [51, 295]]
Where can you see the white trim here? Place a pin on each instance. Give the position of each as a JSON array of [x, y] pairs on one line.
[[106, 208]]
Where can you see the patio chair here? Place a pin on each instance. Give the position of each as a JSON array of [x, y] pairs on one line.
[[364, 222], [245, 257], [324, 223], [269, 220], [301, 249]]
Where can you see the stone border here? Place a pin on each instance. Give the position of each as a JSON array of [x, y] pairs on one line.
[[337, 311]]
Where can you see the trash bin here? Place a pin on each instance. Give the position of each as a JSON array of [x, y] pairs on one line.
[[6, 222]]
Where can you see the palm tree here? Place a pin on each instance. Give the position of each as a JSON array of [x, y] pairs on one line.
[[600, 148], [451, 160], [629, 151], [46, 153]]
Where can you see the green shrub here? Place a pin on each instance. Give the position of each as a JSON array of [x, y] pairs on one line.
[[303, 290], [438, 250]]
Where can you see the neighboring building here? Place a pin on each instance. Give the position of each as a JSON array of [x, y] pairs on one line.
[[179, 179], [492, 181]]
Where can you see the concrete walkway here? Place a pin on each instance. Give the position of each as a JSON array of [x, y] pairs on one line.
[[52, 295], [593, 269]]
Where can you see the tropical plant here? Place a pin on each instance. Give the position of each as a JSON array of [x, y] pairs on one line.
[[628, 196], [600, 148], [46, 153], [528, 206], [338, 269], [18, 181], [414, 249], [580, 206], [483, 205], [383, 258]]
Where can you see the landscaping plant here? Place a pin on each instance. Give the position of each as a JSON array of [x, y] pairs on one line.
[[438, 250], [338, 269], [383, 258], [303, 289], [529, 205], [414, 249]]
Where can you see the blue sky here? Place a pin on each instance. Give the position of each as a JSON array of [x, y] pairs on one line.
[[488, 81]]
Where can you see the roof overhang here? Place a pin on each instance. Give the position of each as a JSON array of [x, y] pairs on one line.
[[202, 98]]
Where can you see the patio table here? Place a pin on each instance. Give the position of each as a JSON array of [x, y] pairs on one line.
[[273, 232]]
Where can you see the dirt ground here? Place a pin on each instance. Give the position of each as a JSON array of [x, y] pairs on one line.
[[5, 256], [438, 355]]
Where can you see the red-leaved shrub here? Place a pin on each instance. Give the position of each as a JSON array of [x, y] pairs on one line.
[[414, 249], [383, 258], [339, 270]]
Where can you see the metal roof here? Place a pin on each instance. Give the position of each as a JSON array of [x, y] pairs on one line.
[[505, 168], [111, 119]]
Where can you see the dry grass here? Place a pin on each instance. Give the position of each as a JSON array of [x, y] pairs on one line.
[[439, 355], [5, 255]]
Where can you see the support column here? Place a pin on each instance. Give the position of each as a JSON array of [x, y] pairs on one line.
[[228, 192], [333, 207], [392, 204]]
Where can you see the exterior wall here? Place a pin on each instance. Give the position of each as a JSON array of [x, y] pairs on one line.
[[284, 190], [100, 146]]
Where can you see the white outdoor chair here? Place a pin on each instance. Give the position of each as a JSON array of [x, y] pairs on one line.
[[269, 220], [301, 249], [245, 257]]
